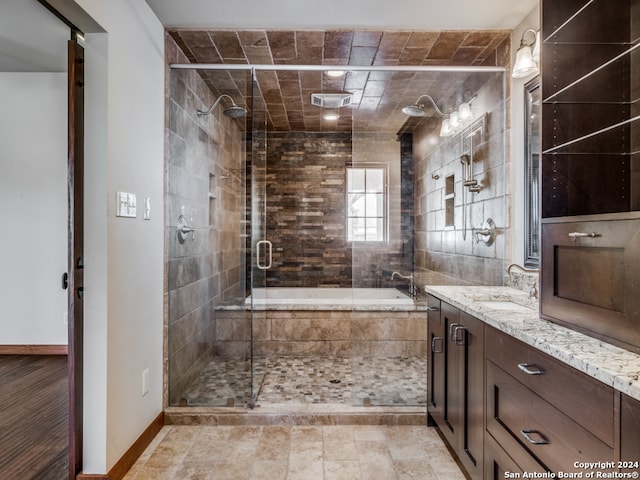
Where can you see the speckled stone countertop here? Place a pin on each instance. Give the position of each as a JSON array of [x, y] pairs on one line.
[[611, 365]]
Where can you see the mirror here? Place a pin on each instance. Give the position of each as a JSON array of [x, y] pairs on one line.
[[532, 173]]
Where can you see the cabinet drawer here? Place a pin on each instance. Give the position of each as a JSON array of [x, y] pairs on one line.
[[516, 414], [497, 462], [580, 397]]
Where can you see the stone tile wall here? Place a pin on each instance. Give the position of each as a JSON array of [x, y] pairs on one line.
[[448, 249], [205, 184], [306, 222], [342, 333]]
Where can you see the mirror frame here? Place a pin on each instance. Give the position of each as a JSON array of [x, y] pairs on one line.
[[532, 162]]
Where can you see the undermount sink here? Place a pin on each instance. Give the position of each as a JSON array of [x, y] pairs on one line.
[[504, 305]]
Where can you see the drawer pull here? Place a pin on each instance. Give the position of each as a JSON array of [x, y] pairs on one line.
[[527, 435], [575, 235], [452, 329], [433, 309], [434, 349], [458, 335], [530, 369]]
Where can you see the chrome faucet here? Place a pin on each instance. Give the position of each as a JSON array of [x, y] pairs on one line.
[[412, 287], [533, 292]]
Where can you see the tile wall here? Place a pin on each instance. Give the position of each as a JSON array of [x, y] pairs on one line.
[[205, 184], [447, 244]]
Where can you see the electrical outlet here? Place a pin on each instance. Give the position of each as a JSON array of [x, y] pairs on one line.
[[145, 382]]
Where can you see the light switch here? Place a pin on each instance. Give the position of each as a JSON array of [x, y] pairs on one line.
[[125, 204], [147, 208]]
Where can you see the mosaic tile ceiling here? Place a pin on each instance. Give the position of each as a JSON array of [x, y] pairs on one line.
[[378, 96]]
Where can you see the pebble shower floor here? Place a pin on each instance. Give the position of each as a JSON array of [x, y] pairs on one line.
[[383, 381]]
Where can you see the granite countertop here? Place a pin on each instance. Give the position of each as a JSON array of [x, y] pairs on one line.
[[611, 365]]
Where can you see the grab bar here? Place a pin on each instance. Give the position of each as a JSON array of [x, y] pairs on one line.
[[258, 245]]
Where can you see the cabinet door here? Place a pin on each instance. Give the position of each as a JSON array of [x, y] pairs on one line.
[[470, 341], [630, 433], [435, 364], [464, 388], [499, 465], [452, 415]]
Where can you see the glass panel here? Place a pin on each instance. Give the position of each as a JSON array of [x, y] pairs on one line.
[[375, 180], [355, 178], [208, 335]]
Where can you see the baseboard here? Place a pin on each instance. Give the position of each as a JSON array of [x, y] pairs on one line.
[[123, 465], [34, 350]]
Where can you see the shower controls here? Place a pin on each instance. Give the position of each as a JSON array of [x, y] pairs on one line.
[[184, 230]]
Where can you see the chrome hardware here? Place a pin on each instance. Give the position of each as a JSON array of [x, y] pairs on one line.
[[433, 344], [527, 435], [519, 267], [452, 327], [526, 368], [184, 230], [459, 340], [433, 309], [413, 291], [258, 245], [487, 233], [575, 235]]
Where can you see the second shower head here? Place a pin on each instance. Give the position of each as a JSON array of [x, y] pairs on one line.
[[233, 111]]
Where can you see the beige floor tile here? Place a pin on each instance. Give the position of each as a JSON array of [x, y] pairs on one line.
[[296, 453], [414, 470], [269, 470], [341, 470], [369, 433]]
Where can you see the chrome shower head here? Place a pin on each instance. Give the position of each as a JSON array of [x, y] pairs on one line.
[[234, 111], [414, 110]]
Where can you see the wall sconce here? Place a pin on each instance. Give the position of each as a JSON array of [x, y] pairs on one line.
[[452, 122], [527, 55]]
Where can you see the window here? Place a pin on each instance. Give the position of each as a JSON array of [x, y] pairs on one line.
[[366, 204]]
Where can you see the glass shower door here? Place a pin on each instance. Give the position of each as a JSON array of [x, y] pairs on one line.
[[208, 325], [259, 247]]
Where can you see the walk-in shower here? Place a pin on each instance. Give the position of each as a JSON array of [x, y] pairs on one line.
[[340, 206]]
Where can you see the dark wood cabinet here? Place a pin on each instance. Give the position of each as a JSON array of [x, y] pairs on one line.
[[544, 412], [589, 118], [629, 434], [457, 400], [436, 337], [591, 168]]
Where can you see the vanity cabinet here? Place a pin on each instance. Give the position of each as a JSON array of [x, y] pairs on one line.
[[543, 412], [505, 407], [457, 400]]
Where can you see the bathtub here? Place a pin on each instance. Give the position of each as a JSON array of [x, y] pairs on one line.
[[336, 297]]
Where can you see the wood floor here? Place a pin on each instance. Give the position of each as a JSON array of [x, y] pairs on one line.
[[33, 417]]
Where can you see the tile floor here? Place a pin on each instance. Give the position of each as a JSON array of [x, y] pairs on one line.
[[296, 453], [394, 381]]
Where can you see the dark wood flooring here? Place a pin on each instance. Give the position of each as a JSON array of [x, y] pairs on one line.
[[33, 417]]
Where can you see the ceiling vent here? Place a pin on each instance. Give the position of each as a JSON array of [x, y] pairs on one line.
[[331, 100]]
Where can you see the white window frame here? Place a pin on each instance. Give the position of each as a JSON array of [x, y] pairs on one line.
[[385, 201]]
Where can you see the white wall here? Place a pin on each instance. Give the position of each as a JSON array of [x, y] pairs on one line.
[[124, 260], [33, 208], [517, 141]]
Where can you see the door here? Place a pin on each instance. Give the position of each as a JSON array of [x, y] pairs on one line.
[[260, 248], [76, 262]]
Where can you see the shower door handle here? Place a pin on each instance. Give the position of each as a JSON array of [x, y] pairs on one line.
[[269, 256]]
